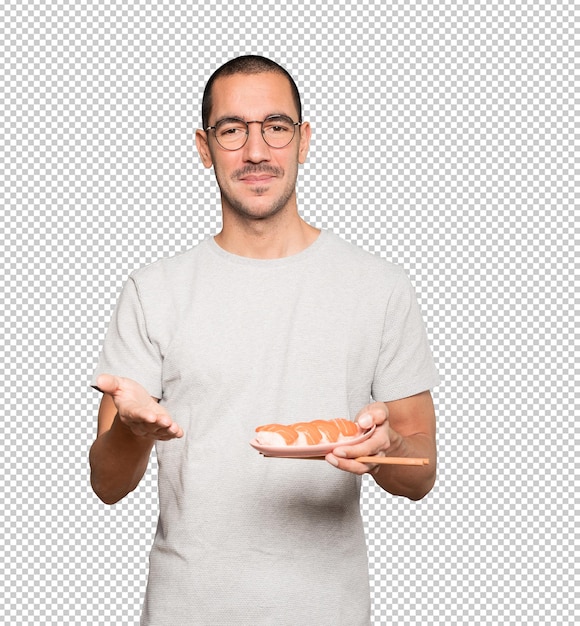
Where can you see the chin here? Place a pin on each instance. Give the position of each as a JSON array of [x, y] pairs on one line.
[[260, 209]]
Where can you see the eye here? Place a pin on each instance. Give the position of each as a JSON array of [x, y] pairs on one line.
[[230, 129], [278, 125]]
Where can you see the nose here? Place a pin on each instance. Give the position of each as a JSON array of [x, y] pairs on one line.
[[255, 149]]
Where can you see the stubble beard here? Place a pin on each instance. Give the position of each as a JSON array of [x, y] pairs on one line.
[[245, 209]]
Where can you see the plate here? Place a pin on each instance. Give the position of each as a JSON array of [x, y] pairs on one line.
[[301, 452]]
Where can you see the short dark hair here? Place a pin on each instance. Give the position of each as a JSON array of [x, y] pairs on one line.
[[248, 64]]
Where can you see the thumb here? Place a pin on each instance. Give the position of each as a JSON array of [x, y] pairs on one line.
[[108, 383], [376, 413]]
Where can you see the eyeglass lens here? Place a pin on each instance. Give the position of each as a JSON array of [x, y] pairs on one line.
[[277, 131]]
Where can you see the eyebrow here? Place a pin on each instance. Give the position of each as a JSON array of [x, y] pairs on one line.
[[239, 118], [228, 118]]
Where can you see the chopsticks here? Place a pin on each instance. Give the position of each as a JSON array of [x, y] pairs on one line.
[[392, 460], [375, 460]]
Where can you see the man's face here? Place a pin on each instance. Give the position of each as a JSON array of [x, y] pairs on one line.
[[256, 181]]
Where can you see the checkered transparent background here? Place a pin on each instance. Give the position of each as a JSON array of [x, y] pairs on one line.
[[443, 140]]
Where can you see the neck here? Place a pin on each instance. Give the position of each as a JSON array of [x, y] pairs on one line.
[[273, 238]]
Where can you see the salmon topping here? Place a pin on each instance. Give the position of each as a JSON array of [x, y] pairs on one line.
[[290, 435], [317, 431], [313, 435]]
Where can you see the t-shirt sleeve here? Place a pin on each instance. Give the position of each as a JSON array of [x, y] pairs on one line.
[[405, 365], [128, 349]]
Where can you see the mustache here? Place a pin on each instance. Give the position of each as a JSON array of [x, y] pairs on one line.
[[257, 169]]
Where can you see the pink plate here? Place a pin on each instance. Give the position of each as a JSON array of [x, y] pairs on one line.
[[301, 452]]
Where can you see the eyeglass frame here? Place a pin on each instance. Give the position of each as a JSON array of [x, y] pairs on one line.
[[239, 119]]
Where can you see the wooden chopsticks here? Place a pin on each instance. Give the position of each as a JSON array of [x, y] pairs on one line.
[[375, 460], [392, 460]]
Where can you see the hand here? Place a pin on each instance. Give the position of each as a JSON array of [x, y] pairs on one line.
[[137, 410], [382, 442]]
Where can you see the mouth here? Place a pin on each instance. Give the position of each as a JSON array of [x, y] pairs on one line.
[[257, 179], [257, 175]]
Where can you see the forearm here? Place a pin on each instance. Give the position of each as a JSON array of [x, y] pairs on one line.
[[118, 460], [413, 482]]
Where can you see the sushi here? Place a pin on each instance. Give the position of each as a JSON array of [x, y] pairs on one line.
[[307, 433]]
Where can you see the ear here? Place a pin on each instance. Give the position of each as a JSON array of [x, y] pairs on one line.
[[203, 147], [305, 134]]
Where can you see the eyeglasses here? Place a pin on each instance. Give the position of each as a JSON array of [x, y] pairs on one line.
[[232, 133]]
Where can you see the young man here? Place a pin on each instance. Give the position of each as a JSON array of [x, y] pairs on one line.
[[271, 320]]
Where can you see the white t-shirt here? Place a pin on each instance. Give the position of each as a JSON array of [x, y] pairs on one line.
[[228, 343]]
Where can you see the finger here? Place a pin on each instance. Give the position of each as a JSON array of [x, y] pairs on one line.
[[143, 421], [174, 430], [377, 443], [347, 465], [164, 425], [165, 434], [349, 454], [154, 430], [153, 421]]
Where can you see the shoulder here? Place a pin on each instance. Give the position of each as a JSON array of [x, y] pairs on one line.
[[366, 266], [169, 272]]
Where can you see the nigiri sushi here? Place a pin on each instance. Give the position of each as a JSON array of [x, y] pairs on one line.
[[307, 433]]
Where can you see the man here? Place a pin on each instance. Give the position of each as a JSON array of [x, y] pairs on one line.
[[271, 320]]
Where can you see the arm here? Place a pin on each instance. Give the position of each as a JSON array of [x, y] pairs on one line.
[[129, 423], [404, 428]]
